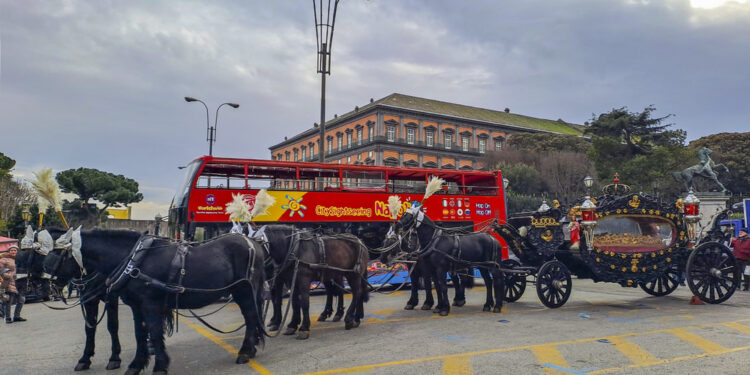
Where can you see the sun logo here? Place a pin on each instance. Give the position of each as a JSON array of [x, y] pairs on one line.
[[294, 206]]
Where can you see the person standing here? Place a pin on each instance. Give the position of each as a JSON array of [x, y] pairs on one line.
[[741, 246], [8, 261]]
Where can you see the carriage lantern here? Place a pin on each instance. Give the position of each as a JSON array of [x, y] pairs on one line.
[[544, 207], [588, 220], [692, 214]]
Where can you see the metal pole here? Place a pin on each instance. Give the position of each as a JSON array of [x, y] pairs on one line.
[[323, 107]]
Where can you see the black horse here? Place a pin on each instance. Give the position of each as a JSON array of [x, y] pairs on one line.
[[229, 264], [314, 257], [442, 251], [408, 242]]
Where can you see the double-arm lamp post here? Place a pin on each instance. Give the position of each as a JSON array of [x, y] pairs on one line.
[[211, 130], [325, 18]]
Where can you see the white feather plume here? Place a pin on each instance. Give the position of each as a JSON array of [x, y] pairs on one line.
[[238, 209], [48, 189], [263, 201], [394, 205], [42, 204], [433, 186]]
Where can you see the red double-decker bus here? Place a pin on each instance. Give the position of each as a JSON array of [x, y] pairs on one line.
[[337, 197]]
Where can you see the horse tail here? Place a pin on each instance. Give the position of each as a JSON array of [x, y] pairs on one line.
[[169, 322], [467, 281], [364, 259]]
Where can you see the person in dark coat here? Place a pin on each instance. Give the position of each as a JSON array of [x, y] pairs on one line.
[[741, 246], [8, 285]]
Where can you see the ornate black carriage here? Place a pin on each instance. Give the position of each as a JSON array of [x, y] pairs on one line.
[[629, 239]]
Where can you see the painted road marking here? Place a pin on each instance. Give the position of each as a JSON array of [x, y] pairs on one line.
[[705, 345], [738, 327], [547, 351], [635, 353], [254, 365], [550, 357], [460, 365]]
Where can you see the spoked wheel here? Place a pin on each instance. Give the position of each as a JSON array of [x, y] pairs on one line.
[[664, 283], [515, 284], [553, 284], [712, 272]]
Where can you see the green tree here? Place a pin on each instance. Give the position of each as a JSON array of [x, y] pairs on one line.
[[524, 179], [639, 131], [733, 150], [546, 142], [109, 189], [6, 164]]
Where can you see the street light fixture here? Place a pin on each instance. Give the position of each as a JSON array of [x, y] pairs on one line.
[[26, 214], [506, 182], [324, 22], [211, 130]]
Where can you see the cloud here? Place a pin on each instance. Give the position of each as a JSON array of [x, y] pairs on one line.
[[100, 84]]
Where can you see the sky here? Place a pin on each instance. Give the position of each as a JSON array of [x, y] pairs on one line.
[[100, 84]]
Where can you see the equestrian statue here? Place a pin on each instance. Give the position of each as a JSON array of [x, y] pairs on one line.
[[705, 169]]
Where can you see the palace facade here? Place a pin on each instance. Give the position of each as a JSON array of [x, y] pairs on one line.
[[407, 131]]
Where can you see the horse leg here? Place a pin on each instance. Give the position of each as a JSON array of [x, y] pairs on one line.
[[291, 328], [488, 303], [277, 297], [328, 309], [141, 337], [304, 303], [243, 298], [91, 311], [499, 283], [414, 298], [441, 287], [427, 278], [340, 297], [352, 319], [155, 317], [113, 326], [460, 298]]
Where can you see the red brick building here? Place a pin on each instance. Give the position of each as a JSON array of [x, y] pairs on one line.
[[401, 130]]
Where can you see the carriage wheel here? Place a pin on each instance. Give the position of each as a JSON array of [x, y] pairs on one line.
[[665, 282], [515, 284], [553, 284], [712, 272]]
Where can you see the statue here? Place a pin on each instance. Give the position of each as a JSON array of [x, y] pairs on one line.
[[704, 169]]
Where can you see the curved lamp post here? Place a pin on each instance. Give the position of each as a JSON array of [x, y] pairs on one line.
[[211, 130], [325, 18]]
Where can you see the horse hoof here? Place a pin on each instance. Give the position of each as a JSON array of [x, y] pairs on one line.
[[242, 358], [486, 308], [273, 327], [290, 331], [436, 310], [459, 303], [81, 366], [497, 309], [444, 312], [322, 317], [426, 307], [348, 325], [133, 371], [113, 365], [303, 335], [356, 323], [337, 317], [409, 307]]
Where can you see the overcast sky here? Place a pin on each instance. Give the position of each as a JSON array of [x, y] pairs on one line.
[[100, 84]]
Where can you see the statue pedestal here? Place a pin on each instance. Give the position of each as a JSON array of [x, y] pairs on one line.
[[711, 204]]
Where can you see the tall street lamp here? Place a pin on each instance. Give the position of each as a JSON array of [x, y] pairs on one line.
[[211, 130], [26, 214], [325, 18]]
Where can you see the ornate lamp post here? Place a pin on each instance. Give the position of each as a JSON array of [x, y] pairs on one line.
[[588, 213], [26, 214], [211, 130], [506, 182], [692, 214], [325, 18]]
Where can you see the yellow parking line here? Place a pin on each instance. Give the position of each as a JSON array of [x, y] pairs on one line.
[[457, 366], [549, 354], [631, 350], [737, 326], [665, 361], [255, 365], [705, 345]]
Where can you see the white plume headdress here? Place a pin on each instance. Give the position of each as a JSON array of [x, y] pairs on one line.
[[394, 205], [238, 209], [47, 189], [432, 186], [263, 201]]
